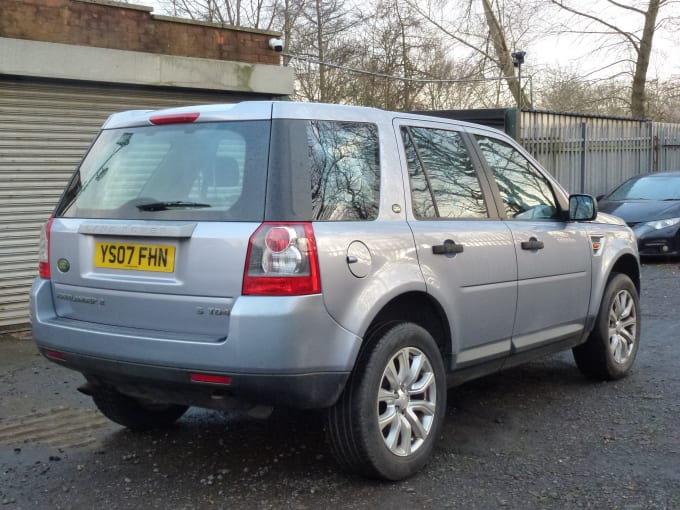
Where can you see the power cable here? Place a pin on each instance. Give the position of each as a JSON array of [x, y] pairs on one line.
[[314, 60]]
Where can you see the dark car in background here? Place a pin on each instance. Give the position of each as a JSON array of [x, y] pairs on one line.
[[650, 205]]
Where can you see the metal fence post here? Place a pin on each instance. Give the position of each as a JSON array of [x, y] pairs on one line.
[[652, 147], [584, 148]]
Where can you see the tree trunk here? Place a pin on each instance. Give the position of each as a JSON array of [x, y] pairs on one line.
[[320, 45], [638, 99], [500, 47]]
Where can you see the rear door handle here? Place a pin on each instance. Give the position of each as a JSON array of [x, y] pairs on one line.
[[532, 244], [448, 248]]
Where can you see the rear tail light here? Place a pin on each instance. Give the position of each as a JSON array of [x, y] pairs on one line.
[[44, 250], [282, 261]]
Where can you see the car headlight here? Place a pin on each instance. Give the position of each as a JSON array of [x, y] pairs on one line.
[[658, 225]]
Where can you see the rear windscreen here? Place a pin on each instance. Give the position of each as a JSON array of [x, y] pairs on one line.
[[204, 171]]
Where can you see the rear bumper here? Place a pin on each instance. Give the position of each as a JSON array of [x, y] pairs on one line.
[[301, 391], [279, 351]]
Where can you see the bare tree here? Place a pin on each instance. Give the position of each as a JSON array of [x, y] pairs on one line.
[[635, 44], [289, 15], [484, 34], [663, 98], [393, 44], [568, 92], [397, 61], [324, 42], [262, 14], [324, 33], [407, 64]]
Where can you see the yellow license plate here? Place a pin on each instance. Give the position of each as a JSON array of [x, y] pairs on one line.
[[138, 257]]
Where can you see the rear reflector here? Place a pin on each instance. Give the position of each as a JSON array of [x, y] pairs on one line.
[[210, 378], [54, 354], [174, 118], [279, 238]]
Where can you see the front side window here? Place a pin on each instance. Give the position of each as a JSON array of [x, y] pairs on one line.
[[444, 183], [526, 194], [345, 169], [203, 171]]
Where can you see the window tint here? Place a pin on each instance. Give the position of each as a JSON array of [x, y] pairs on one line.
[[526, 194], [206, 171], [345, 170], [444, 183]]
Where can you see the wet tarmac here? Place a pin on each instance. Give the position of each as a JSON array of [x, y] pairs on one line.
[[537, 436]]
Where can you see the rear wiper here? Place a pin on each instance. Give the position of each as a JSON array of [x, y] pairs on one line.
[[164, 206]]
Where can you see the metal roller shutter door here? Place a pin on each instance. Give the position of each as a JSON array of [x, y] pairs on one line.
[[45, 128]]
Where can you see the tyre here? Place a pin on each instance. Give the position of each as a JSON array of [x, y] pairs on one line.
[[136, 414], [388, 417], [612, 346]]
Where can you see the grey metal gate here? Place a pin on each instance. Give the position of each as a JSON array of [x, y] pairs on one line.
[[45, 128], [589, 154]]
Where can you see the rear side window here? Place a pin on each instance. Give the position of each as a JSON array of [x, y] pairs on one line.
[[345, 170], [204, 171], [444, 183]]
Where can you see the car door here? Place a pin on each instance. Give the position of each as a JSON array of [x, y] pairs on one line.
[[553, 255], [465, 251]]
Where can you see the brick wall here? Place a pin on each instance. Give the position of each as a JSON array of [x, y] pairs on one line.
[[120, 26]]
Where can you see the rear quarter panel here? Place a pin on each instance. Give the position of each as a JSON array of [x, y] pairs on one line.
[[354, 301]]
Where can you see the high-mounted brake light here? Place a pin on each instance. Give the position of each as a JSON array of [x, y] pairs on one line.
[[174, 118], [282, 261], [44, 250]]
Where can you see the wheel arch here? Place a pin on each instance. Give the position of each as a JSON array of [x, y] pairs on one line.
[[627, 264], [419, 308]]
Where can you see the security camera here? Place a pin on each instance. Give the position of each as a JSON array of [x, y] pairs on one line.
[[276, 45], [517, 57]]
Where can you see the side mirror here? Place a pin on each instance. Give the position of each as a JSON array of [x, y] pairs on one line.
[[582, 208]]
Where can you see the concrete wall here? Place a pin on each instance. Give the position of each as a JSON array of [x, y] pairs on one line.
[[36, 59], [103, 24]]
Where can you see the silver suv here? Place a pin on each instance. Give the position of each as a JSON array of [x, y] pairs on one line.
[[323, 257]]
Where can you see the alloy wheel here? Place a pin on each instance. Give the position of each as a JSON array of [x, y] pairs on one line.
[[622, 326], [407, 401]]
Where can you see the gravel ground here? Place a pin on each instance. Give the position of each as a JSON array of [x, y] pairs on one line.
[[537, 436]]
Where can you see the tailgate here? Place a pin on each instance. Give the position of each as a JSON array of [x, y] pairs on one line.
[[179, 277]]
